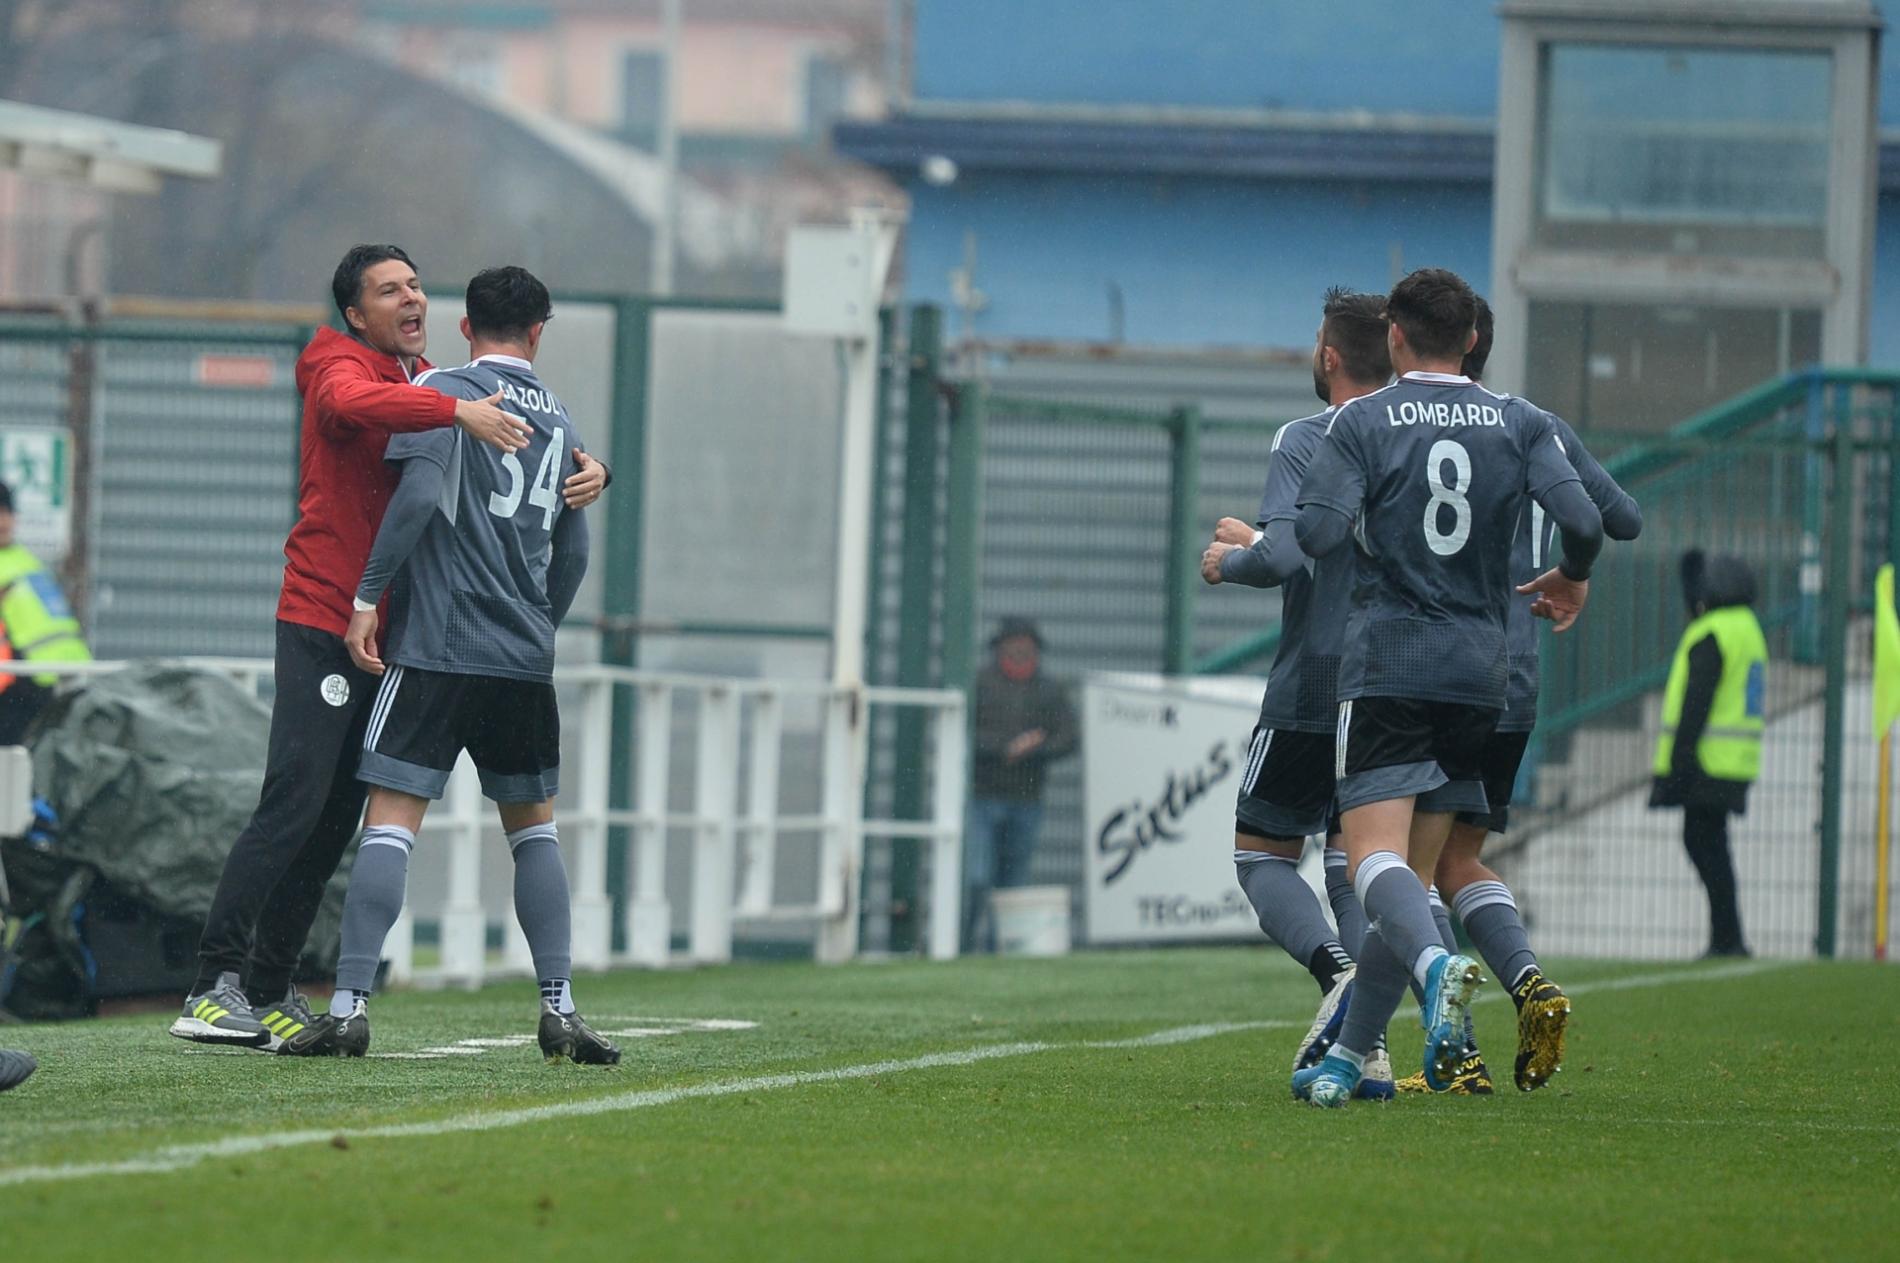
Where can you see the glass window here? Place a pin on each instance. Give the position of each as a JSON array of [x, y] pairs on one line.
[[475, 64], [1648, 366], [827, 86], [1684, 150], [642, 83]]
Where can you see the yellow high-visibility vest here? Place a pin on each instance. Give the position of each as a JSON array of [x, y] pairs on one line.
[[39, 624], [1730, 747]]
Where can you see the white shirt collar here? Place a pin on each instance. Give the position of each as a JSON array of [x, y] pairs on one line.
[[1443, 379], [512, 361]]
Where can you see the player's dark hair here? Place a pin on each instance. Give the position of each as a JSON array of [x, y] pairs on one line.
[[505, 302], [1355, 327], [1480, 351], [346, 286], [1435, 310]]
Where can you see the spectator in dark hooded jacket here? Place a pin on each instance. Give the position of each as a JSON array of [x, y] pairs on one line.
[[1713, 709]]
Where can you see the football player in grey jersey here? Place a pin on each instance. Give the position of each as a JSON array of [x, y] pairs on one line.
[[1426, 480], [485, 560], [1480, 898], [1286, 789]]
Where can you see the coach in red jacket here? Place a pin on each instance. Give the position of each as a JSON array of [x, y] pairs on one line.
[[356, 393]]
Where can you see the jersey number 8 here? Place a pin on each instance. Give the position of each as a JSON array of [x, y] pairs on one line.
[[1448, 494], [543, 495]]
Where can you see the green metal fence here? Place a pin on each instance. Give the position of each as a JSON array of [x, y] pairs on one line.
[[1091, 519], [1799, 479], [182, 437]]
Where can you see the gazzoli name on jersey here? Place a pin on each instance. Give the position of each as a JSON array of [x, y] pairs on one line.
[[529, 397], [1427, 412]]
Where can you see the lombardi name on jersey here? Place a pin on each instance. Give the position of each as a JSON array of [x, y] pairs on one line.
[[1429, 413]]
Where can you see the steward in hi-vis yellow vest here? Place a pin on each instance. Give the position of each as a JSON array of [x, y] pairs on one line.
[[1709, 750], [39, 624], [1729, 746]]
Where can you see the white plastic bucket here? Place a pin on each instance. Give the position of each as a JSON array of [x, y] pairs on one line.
[[1031, 920]]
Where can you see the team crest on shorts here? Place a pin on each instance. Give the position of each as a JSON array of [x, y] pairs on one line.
[[335, 690]]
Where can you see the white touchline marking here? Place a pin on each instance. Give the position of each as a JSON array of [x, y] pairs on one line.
[[682, 1023], [674, 1026], [180, 1157]]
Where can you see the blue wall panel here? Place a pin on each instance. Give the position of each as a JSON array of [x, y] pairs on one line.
[[1421, 56], [1197, 263]]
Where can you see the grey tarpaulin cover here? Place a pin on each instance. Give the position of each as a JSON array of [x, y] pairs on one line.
[[153, 771]]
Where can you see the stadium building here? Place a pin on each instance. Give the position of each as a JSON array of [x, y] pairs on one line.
[[1697, 177]]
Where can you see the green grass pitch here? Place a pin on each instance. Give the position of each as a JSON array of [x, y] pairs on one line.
[[1098, 1107]]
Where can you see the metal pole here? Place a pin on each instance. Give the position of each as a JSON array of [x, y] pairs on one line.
[[758, 847], [852, 570], [665, 231], [592, 911], [916, 590], [1182, 570], [620, 595], [1813, 510], [1893, 477], [841, 850], [715, 808], [649, 915], [946, 844], [1840, 514], [963, 564]]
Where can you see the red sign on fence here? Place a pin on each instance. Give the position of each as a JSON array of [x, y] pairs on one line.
[[249, 372]]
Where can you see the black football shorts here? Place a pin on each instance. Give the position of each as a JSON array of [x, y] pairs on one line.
[[422, 721]]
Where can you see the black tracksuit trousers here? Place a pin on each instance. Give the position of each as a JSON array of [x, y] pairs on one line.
[[307, 815]]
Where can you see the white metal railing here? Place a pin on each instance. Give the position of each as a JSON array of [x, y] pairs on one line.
[[735, 835]]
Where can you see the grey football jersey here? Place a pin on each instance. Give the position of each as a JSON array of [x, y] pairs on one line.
[[1303, 684], [1534, 551], [1435, 468], [472, 598]]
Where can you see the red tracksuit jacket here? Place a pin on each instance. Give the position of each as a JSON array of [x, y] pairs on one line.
[[354, 398]]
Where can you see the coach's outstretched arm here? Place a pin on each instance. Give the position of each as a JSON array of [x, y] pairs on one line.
[[347, 396], [567, 562], [407, 517]]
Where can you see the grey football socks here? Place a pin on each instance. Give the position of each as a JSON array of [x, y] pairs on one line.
[[1441, 916], [1290, 914], [1490, 916], [542, 906], [1347, 914], [378, 883], [1377, 989], [1399, 911]]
